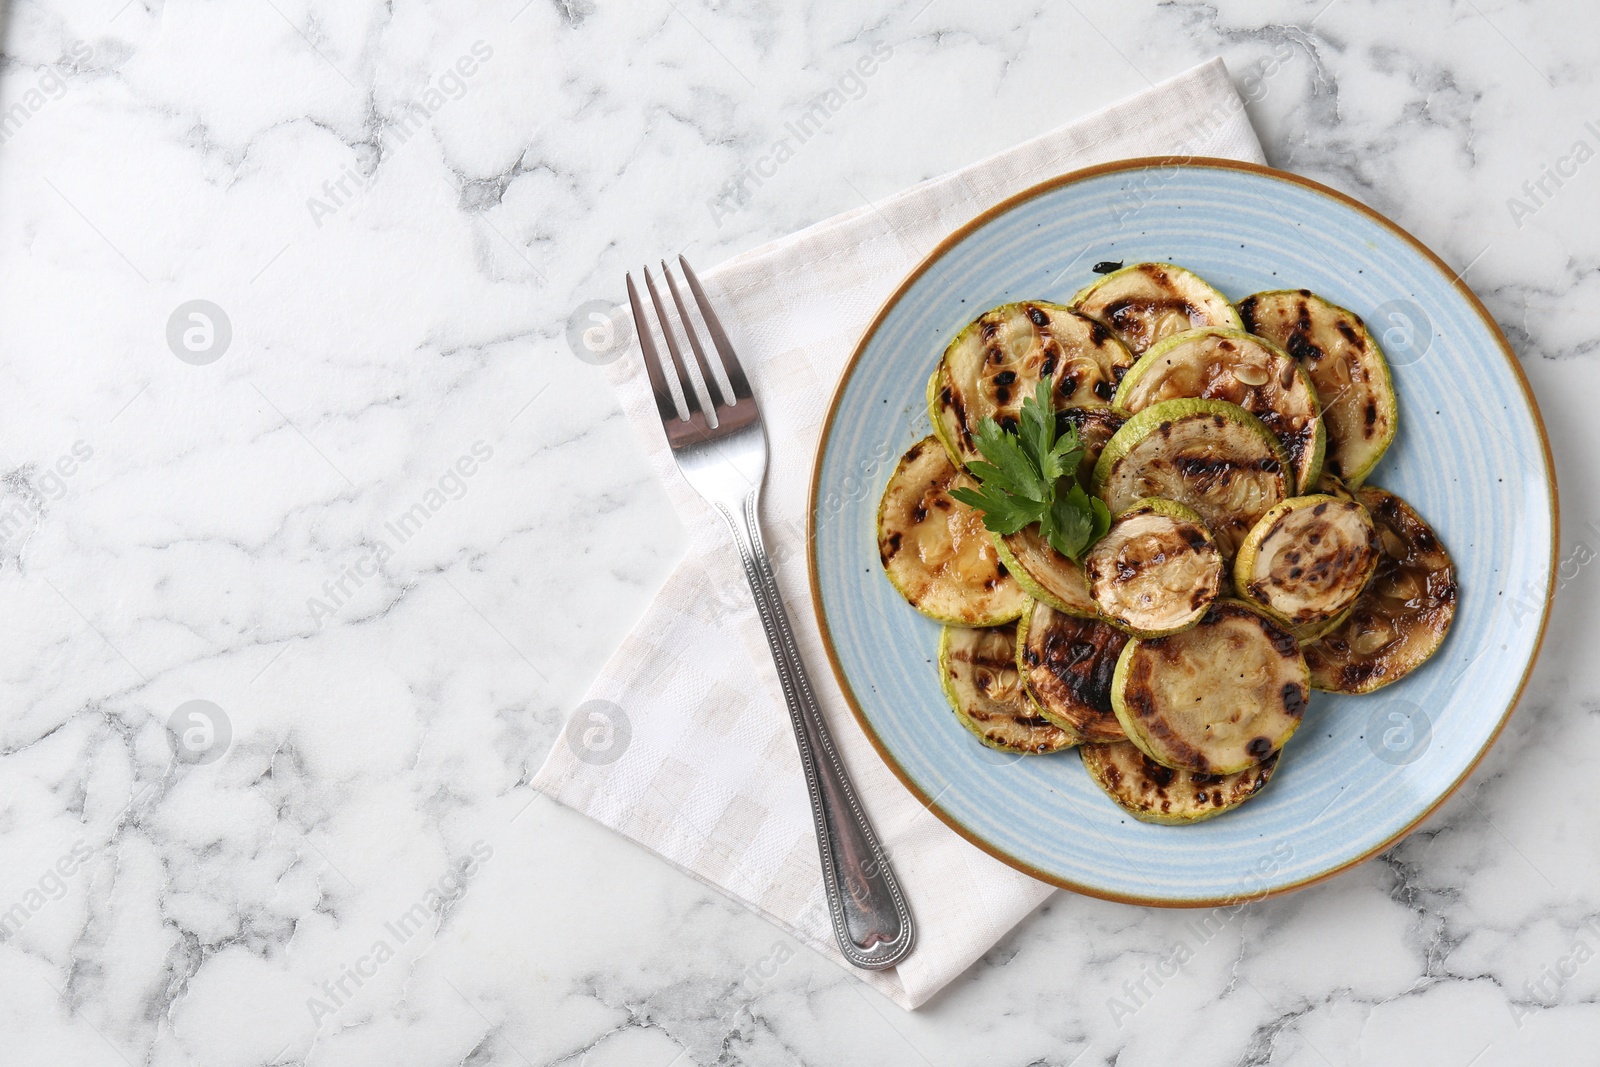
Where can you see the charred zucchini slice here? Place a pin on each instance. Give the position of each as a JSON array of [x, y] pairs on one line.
[[1405, 613], [1068, 663], [978, 669], [1153, 793], [1095, 426], [1156, 571], [1148, 302], [934, 548], [1000, 357], [1216, 699], [1231, 365], [1213, 456], [1045, 574], [1346, 366], [1307, 560]]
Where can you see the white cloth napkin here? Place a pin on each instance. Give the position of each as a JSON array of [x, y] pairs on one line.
[[699, 764]]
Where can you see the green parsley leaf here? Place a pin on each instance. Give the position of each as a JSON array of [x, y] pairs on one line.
[[1029, 476]]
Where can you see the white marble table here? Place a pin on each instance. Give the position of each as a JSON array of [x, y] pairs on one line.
[[374, 509]]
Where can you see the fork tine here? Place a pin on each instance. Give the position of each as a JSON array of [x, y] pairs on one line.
[[691, 399], [666, 407], [713, 388], [719, 336]]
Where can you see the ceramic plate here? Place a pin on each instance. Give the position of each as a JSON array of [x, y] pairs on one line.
[[1471, 456]]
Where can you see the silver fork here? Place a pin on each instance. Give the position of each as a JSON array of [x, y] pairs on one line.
[[723, 454]]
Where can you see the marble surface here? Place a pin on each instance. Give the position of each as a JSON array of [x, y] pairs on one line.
[[371, 505]]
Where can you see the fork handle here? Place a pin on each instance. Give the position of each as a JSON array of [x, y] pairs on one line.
[[870, 918]]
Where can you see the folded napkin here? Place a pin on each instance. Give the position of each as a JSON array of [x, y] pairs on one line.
[[683, 743]]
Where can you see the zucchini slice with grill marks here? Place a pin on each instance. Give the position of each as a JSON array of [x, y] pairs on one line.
[[1148, 302], [1045, 574], [1096, 425], [1156, 571], [934, 548], [1231, 365], [1346, 366], [1216, 699], [1000, 357], [1153, 793], [1307, 560], [1213, 456], [978, 669], [1068, 663], [1405, 613]]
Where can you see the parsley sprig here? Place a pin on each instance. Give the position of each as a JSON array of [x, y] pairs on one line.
[[1031, 477]]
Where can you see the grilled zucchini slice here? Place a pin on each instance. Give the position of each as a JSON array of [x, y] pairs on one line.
[[1346, 366], [1153, 793], [1148, 302], [1307, 560], [1068, 663], [1216, 699], [978, 670], [1405, 613], [1002, 355], [1045, 574], [1096, 426], [1213, 456], [934, 548], [1231, 365], [1156, 571]]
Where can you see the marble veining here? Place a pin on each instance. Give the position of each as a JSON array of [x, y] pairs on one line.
[[377, 510]]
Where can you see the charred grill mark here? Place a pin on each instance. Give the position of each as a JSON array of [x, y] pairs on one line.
[[1352, 338], [1259, 747], [1103, 390], [1005, 377], [1247, 315], [1098, 334], [1159, 776], [990, 327], [890, 547], [1037, 316], [1300, 347], [1081, 655], [1294, 700], [1370, 416], [919, 513]]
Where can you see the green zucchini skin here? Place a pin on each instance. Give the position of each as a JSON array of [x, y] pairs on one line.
[[1403, 616], [934, 548], [1345, 364], [1156, 794], [942, 415], [1156, 571], [1217, 363], [1067, 663], [1145, 303], [1216, 699], [1209, 455], [979, 675]]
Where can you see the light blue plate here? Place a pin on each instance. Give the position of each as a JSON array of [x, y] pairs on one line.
[[1471, 456]]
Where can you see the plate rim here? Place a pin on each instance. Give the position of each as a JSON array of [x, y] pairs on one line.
[[1010, 203]]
